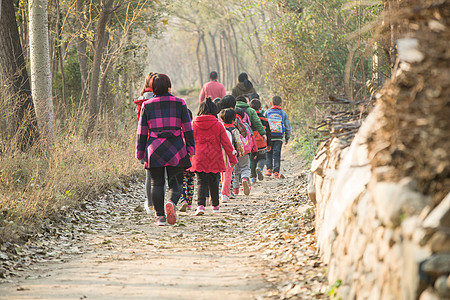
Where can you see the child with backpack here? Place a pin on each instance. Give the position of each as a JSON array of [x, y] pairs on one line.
[[279, 128], [208, 161], [258, 159], [228, 117], [242, 169]]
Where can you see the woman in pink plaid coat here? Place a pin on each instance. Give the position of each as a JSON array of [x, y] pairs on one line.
[[165, 141]]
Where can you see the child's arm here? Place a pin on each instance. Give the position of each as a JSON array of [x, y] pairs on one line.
[[287, 128]]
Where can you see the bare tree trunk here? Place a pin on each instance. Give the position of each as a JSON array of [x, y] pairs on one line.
[[99, 49], [216, 55], [236, 53], [41, 81], [14, 78], [208, 69], [222, 60], [229, 59], [199, 62], [260, 48], [60, 50], [81, 49]]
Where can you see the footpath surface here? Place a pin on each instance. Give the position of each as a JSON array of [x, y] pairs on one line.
[[260, 246]]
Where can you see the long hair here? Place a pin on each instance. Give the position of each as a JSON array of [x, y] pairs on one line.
[[148, 82], [207, 107], [243, 77]]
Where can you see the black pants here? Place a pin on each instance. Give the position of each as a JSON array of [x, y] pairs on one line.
[[257, 162], [208, 182], [158, 180]]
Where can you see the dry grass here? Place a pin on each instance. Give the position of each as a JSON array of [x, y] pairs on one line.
[[37, 184]]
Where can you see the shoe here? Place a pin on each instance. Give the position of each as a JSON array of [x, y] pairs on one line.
[[148, 208], [216, 209], [268, 172], [188, 207], [276, 175], [170, 213], [200, 210], [235, 192], [246, 186], [253, 180], [225, 199], [160, 221], [232, 196], [259, 174], [184, 206]]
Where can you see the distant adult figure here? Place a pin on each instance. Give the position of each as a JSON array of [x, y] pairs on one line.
[[243, 87], [213, 88]]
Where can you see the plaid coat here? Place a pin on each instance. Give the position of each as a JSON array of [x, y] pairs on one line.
[[164, 135]]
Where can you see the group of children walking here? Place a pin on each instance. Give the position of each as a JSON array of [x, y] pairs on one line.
[[226, 145]]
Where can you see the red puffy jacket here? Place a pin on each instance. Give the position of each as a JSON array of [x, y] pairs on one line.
[[210, 136]]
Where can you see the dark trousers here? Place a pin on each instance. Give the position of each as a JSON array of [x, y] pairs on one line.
[[148, 187], [158, 180], [273, 157], [208, 182], [257, 162]]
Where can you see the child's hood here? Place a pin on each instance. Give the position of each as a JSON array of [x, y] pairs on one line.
[[205, 122]]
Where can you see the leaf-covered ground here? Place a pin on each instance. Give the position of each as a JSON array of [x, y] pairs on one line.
[[259, 247]]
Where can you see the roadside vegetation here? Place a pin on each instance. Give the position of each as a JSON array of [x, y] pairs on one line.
[[303, 51]]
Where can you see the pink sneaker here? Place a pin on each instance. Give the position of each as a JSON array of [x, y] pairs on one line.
[[200, 210], [236, 191], [216, 209], [170, 213]]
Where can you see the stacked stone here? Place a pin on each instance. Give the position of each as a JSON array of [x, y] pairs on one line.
[[381, 240]]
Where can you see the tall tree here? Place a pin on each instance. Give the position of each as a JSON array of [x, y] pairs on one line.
[[14, 77], [41, 81], [106, 10], [81, 48]]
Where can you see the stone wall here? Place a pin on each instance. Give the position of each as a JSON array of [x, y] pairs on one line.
[[381, 240]]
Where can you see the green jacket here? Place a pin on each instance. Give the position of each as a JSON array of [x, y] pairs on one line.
[[256, 122]]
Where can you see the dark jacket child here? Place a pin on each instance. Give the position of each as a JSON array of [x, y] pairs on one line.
[[165, 140], [279, 127], [258, 160], [208, 162]]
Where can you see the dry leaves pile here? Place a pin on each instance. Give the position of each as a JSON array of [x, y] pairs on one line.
[[414, 134], [288, 244]]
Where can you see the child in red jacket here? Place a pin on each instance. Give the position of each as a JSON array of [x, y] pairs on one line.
[[146, 93], [210, 137]]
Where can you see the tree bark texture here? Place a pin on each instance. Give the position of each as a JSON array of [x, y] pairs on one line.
[[208, 68], [14, 80], [216, 55], [199, 62], [81, 49], [95, 73], [41, 81]]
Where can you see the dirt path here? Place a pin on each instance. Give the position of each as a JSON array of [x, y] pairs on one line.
[[258, 247]]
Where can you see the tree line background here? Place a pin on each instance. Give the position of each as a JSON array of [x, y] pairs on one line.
[[59, 149]]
